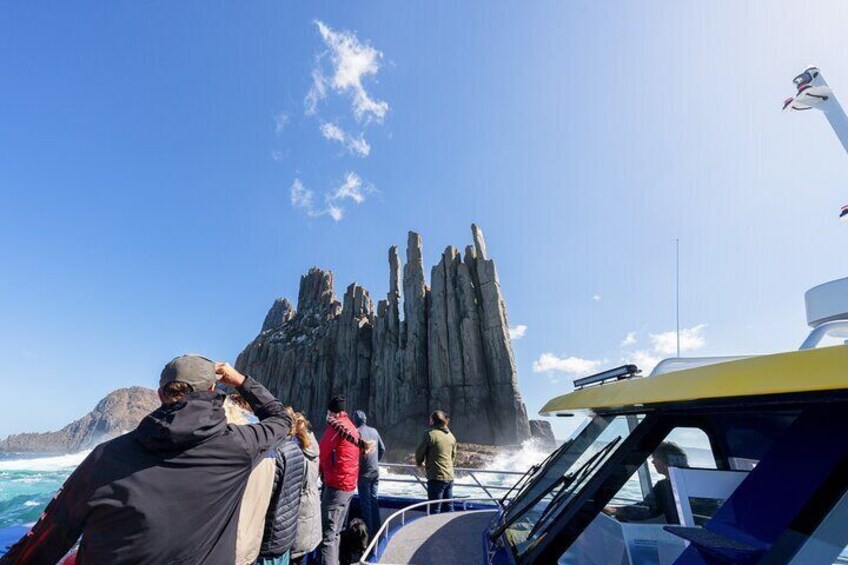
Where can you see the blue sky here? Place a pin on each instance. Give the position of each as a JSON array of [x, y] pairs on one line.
[[148, 154]]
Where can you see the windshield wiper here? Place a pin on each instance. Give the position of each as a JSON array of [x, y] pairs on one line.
[[586, 469]]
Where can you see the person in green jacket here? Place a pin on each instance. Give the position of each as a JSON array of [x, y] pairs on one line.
[[437, 450]]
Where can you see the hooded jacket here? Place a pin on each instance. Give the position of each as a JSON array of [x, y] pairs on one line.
[[281, 520], [437, 450], [309, 516], [168, 492], [369, 465]]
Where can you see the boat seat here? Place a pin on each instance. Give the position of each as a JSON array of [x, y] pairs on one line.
[[447, 538]]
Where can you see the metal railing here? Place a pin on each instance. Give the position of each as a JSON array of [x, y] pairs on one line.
[[416, 477], [400, 515]]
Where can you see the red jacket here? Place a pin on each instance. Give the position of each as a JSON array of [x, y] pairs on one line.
[[338, 462]]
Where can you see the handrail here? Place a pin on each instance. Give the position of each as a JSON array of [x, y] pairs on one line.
[[384, 529], [479, 483]]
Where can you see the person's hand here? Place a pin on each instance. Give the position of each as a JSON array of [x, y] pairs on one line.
[[370, 446], [610, 510], [228, 375]]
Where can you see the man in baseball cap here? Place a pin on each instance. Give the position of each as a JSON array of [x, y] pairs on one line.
[[167, 492]]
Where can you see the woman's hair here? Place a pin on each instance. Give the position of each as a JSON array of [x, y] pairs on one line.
[[300, 428], [672, 454], [174, 391], [234, 412], [440, 418]]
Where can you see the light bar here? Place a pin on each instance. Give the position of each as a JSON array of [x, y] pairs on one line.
[[619, 373]]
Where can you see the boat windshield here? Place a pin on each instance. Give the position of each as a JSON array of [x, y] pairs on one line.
[[554, 485]]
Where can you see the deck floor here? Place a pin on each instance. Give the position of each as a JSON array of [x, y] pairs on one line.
[[449, 538]]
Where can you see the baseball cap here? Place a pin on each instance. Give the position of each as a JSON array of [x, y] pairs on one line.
[[192, 369]]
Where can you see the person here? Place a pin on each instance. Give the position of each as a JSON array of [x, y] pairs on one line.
[[437, 451], [338, 466], [281, 519], [309, 516], [257, 493], [168, 491], [369, 473], [660, 501]]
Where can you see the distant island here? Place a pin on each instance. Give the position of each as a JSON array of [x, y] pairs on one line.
[[119, 412]]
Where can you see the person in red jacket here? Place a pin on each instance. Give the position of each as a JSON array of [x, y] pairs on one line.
[[338, 465]]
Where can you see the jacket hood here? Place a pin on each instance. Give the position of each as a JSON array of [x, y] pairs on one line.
[[183, 424], [359, 418], [312, 451]]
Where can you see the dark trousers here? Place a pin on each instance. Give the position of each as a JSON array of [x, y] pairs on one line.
[[334, 506], [367, 489], [440, 490]]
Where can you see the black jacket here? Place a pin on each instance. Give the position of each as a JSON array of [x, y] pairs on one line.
[[659, 502], [281, 520], [167, 492]]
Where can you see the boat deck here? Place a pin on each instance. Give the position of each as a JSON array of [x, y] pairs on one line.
[[449, 538]]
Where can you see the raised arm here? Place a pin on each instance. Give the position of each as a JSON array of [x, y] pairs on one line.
[[274, 424]]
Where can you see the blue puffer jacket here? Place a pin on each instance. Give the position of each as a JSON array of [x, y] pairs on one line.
[[281, 520]]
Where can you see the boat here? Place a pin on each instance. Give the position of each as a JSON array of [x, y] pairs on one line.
[[770, 487], [767, 482]]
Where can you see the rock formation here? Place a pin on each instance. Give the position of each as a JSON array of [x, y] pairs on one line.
[[120, 412], [543, 432], [423, 348]]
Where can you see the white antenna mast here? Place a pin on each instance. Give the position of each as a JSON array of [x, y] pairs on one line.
[[677, 288]]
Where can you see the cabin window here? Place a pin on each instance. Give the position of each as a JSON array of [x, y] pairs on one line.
[[648, 496]]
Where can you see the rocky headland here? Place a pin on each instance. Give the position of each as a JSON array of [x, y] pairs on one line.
[[443, 346], [119, 412]]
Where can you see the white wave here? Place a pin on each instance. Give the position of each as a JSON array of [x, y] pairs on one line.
[[32, 503], [54, 463]]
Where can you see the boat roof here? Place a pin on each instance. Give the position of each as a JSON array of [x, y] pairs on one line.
[[811, 370]]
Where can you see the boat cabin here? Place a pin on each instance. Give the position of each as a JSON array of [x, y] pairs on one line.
[[741, 461]]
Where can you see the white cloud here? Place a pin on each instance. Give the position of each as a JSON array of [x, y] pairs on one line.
[[281, 120], [517, 332], [645, 360], [596, 297], [303, 198], [317, 92], [351, 62], [355, 145], [352, 188], [629, 339], [691, 339], [548, 362]]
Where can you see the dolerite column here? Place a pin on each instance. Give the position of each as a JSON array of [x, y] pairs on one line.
[[509, 415], [352, 359], [414, 384], [386, 357]]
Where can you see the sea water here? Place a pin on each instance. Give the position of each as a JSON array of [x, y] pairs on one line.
[[28, 482]]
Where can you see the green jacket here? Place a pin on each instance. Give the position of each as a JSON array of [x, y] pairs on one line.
[[438, 450]]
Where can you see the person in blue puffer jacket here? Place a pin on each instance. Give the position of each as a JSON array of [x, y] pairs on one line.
[[281, 519]]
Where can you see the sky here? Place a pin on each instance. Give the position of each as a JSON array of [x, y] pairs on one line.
[[168, 170]]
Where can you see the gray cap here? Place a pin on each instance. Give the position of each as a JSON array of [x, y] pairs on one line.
[[195, 370]]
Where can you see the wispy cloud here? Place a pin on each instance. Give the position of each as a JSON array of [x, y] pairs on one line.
[[629, 339], [517, 332], [352, 188], [281, 120], [664, 344], [691, 339], [351, 62], [356, 145], [596, 297], [576, 366]]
